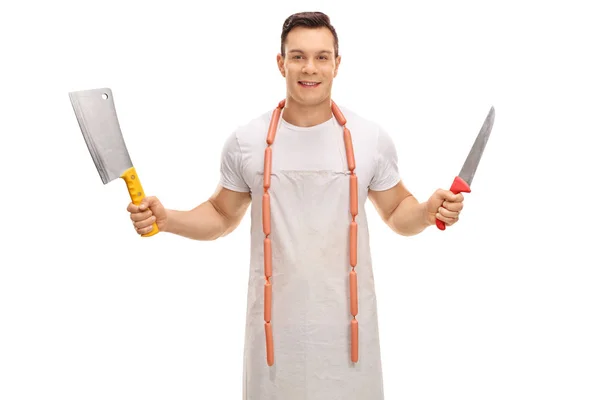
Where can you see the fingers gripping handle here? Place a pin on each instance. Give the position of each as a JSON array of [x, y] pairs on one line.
[[458, 186], [136, 192]]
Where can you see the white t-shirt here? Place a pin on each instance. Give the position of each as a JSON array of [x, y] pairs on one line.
[[319, 147]]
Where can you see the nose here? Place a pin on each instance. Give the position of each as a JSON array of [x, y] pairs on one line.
[[309, 67]]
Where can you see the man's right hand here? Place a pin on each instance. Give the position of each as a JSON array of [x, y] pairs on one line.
[[149, 211]]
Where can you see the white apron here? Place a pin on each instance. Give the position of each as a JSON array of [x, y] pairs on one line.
[[311, 316]]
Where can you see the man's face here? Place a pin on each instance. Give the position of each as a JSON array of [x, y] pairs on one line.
[[309, 65]]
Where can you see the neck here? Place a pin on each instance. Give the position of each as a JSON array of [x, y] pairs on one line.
[[306, 116]]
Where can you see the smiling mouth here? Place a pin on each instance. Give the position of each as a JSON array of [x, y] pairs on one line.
[[308, 84]]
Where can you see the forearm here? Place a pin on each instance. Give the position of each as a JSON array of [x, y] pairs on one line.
[[409, 218], [201, 223]]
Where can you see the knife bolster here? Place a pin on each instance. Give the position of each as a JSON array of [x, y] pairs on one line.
[[460, 186]]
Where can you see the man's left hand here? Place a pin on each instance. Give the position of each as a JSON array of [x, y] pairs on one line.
[[445, 206]]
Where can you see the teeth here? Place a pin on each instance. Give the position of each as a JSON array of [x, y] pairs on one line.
[[309, 83]]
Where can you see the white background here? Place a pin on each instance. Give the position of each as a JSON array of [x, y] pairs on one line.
[[504, 305]]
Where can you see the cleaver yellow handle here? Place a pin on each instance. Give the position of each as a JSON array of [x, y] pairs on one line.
[[136, 192]]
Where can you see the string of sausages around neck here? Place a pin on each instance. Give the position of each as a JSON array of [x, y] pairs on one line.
[[266, 222]]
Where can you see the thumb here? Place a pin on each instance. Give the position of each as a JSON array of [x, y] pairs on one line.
[[443, 194], [454, 197], [147, 202], [449, 195]]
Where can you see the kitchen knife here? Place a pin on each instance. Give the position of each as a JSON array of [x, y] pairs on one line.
[[97, 118], [462, 183]]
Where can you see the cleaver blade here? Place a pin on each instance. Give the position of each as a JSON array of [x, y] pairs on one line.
[[97, 118]]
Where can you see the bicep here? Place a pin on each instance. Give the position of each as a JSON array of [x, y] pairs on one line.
[[230, 204], [386, 201]]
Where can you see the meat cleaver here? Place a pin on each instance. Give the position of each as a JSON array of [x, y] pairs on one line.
[[462, 182], [97, 118]]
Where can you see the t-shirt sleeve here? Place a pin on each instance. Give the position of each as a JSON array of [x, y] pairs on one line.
[[386, 173], [232, 177]]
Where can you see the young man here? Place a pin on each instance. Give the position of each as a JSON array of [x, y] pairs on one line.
[[312, 329]]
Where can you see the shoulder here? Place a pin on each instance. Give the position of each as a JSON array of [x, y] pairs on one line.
[[254, 130], [248, 138], [364, 129], [355, 118]]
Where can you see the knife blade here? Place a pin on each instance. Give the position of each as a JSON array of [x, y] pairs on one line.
[[462, 182], [97, 118]]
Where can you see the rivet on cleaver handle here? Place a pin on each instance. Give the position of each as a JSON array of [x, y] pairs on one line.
[[97, 118], [462, 183]]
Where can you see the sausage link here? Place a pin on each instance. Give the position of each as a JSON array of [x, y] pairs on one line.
[[353, 195], [349, 149], [268, 296], [354, 349], [337, 113], [353, 294], [266, 214], [353, 243], [267, 169], [269, 340], [273, 125], [268, 254]]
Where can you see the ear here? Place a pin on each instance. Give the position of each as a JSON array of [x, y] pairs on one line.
[[280, 60], [338, 60]]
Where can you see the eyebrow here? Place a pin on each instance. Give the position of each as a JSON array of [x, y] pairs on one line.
[[300, 51]]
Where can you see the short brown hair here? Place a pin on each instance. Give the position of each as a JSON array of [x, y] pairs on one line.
[[312, 19]]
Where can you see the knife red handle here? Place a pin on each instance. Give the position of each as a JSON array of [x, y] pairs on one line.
[[458, 186]]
